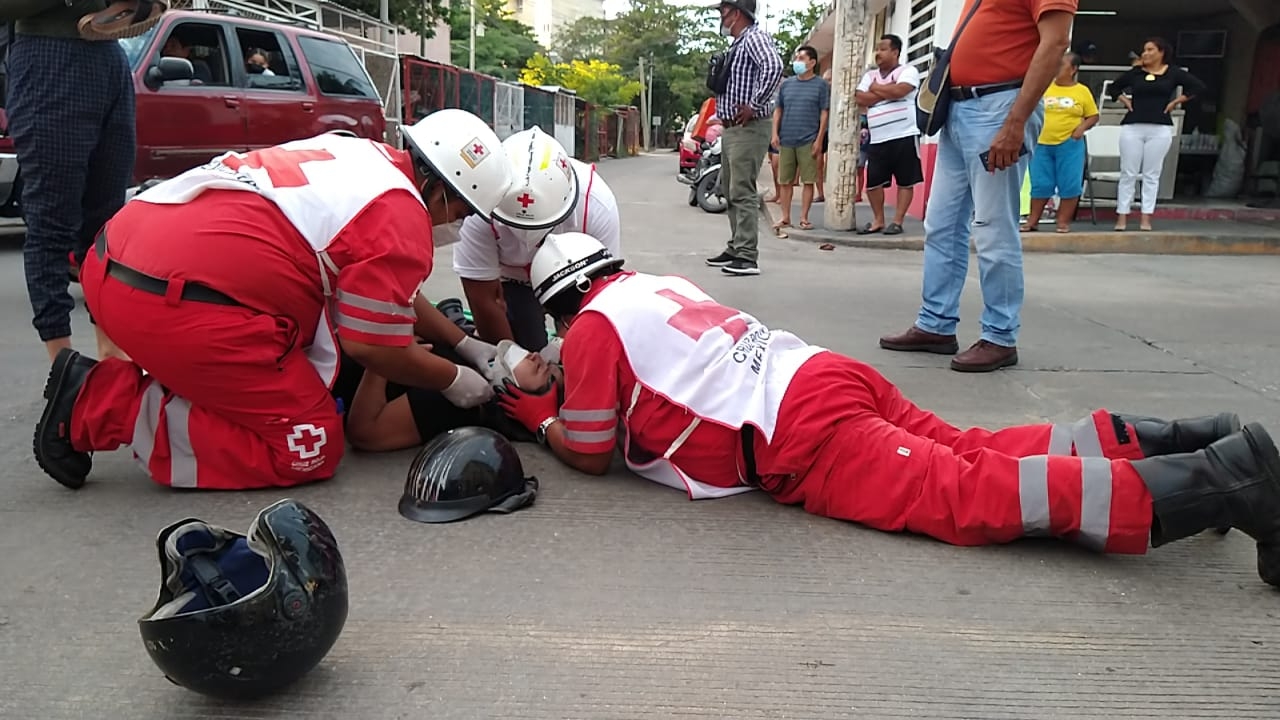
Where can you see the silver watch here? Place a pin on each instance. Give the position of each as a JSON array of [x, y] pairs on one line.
[[544, 426]]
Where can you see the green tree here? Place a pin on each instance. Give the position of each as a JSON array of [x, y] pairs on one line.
[[505, 47], [794, 27], [417, 16], [596, 81]]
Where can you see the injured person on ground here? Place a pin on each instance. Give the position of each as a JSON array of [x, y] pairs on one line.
[[382, 416]]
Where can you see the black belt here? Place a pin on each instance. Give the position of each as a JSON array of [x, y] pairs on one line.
[[970, 92], [192, 291]]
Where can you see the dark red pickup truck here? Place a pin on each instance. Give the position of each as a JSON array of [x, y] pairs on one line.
[[206, 83]]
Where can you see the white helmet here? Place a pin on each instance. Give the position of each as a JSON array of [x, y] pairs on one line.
[[544, 187], [567, 260], [464, 152]]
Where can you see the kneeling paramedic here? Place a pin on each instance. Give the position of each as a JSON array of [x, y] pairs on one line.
[[225, 284], [714, 403], [550, 192]]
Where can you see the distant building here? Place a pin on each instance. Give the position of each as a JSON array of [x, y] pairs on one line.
[[548, 16]]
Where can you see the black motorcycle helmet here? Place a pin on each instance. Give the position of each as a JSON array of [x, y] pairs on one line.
[[463, 472], [240, 617]]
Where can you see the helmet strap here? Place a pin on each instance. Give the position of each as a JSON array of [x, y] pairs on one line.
[[217, 589]]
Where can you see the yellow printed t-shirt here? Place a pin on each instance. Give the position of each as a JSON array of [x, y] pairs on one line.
[[1064, 108]]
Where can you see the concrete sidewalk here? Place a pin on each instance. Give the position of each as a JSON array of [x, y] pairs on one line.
[[1170, 237]]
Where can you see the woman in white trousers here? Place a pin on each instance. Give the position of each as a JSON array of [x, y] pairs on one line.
[[1150, 92]]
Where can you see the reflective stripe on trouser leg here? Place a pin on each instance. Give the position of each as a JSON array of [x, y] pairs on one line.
[[162, 438], [1098, 435], [1099, 503]]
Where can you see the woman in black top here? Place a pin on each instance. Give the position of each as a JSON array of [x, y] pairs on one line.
[[1150, 93]]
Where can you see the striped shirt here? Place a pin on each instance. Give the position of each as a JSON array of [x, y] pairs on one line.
[[754, 75], [892, 119]]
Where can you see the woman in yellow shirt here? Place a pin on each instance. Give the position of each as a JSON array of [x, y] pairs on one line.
[[1058, 162]]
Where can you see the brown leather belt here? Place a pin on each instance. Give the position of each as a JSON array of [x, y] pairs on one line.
[[192, 291]]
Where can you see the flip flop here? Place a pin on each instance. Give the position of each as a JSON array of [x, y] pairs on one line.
[[805, 225], [893, 229], [868, 230]]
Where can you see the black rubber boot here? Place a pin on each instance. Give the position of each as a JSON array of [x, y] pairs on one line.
[[1169, 437], [52, 442], [1233, 482], [452, 309]]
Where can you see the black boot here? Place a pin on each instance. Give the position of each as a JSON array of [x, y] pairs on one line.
[[452, 308], [1168, 437], [1233, 482], [52, 443]]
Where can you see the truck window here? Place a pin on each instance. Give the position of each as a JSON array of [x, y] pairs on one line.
[[268, 61], [204, 45], [336, 68]]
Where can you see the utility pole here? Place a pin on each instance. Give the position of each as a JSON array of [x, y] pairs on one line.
[[471, 61], [842, 124], [644, 106]]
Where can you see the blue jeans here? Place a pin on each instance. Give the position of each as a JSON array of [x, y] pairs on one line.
[[967, 199], [1058, 167]]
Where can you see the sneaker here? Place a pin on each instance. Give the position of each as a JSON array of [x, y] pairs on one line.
[[740, 267], [720, 260]]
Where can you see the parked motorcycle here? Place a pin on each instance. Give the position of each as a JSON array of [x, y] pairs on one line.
[[704, 182]]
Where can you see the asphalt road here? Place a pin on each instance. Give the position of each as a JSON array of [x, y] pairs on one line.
[[618, 598]]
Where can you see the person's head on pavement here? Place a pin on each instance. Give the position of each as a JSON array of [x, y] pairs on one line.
[[564, 269], [458, 165], [736, 16], [544, 188]]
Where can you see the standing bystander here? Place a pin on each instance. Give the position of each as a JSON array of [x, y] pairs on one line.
[[799, 132], [1001, 63], [755, 69], [71, 115], [888, 91]]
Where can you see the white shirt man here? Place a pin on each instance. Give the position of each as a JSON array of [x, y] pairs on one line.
[[492, 256], [888, 91]]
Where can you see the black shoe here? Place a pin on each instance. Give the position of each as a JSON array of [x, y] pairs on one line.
[[741, 267], [451, 308], [720, 260], [1234, 482], [52, 442], [1167, 437]]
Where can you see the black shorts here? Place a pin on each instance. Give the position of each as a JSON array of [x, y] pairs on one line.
[[894, 160]]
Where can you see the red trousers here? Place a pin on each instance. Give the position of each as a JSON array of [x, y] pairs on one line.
[[228, 402], [855, 449]]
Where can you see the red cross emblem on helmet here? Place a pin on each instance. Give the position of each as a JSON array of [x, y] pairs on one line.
[[525, 200]]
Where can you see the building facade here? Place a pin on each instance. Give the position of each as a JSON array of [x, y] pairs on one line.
[[548, 16], [1232, 45]]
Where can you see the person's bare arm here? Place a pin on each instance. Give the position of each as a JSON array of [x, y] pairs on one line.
[[594, 464], [1084, 126], [777, 124], [1055, 38], [410, 364], [375, 425], [866, 98], [896, 90], [488, 309]]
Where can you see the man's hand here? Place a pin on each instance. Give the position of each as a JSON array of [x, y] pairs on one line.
[[744, 114], [526, 408], [469, 389], [1005, 147], [479, 353], [817, 149], [775, 141]]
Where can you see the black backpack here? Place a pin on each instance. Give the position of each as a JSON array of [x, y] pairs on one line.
[[718, 71]]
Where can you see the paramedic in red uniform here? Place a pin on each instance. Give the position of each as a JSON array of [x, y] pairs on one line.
[[713, 402], [225, 283]]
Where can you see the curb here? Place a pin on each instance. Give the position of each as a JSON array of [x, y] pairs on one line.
[[1132, 243]]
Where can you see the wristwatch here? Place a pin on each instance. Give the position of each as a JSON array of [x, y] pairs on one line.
[[544, 426]]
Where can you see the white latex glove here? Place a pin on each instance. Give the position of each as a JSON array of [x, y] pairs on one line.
[[479, 353], [551, 353], [468, 389]]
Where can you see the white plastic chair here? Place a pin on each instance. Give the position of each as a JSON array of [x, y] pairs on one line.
[[1101, 141]]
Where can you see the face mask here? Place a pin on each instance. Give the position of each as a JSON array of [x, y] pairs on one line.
[[799, 67], [725, 31], [529, 238], [446, 233]]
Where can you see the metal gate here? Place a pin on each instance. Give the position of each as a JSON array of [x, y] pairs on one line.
[[508, 109]]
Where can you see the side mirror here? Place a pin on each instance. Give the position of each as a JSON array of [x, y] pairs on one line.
[[168, 70]]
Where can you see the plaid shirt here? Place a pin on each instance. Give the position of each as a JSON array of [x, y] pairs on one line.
[[754, 76]]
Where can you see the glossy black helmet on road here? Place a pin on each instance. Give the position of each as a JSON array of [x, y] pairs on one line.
[[463, 472], [240, 617]]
